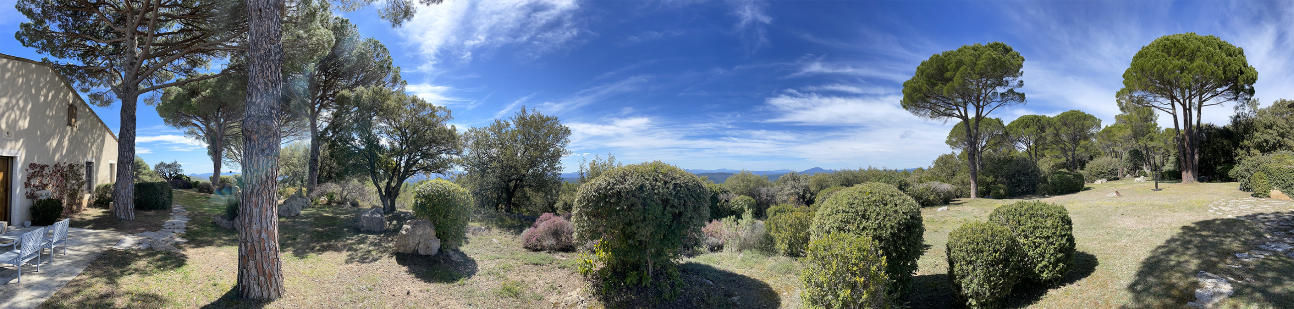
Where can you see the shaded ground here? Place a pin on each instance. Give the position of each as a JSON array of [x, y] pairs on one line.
[[102, 219]]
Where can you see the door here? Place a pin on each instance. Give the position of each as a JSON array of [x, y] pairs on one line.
[[6, 169]]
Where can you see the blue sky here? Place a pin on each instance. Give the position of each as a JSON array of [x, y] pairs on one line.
[[762, 85]]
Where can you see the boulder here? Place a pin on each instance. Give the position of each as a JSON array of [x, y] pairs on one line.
[[1277, 194], [418, 236], [1099, 181], [372, 220], [223, 223], [1141, 179], [1114, 194], [292, 206]]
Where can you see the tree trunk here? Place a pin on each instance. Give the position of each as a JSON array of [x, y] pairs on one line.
[[260, 270], [972, 155], [123, 193], [1186, 155], [312, 178], [217, 145]]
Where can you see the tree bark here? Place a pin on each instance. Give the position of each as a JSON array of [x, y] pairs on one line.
[[217, 145], [972, 155], [312, 178], [260, 275], [123, 193]]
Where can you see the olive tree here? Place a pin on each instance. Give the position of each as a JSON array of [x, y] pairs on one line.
[[516, 162], [966, 84], [1180, 74]]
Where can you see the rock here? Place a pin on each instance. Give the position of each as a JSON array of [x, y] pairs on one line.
[[1099, 181], [1276, 246], [1114, 194], [1278, 195], [222, 222], [454, 255], [1141, 179], [292, 206], [418, 236], [942, 208], [1213, 290], [372, 220]]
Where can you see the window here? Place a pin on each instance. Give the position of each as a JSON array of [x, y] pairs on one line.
[[112, 171], [71, 115], [89, 176]]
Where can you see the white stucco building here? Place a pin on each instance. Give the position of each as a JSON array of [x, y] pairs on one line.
[[43, 120]]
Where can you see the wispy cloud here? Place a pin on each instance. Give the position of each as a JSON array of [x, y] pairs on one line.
[[810, 65], [512, 106], [815, 109], [751, 20], [597, 94], [851, 89], [650, 35], [435, 94], [463, 30]]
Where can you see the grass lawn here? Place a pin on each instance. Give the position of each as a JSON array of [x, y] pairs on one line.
[[1139, 250]]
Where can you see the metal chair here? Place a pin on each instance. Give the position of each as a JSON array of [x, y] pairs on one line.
[[58, 238], [28, 248]]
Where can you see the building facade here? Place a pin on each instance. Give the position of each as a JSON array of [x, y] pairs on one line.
[[44, 120]]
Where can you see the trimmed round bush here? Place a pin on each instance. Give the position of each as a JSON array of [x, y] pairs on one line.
[[46, 211], [1262, 187], [844, 271], [982, 259], [103, 195], [1018, 175], [205, 187], [932, 193], [1104, 168], [153, 195], [640, 216], [1046, 237], [447, 206], [1062, 182], [744, 205], [553, 234], [886, 215], [790, 229], [825, 194]]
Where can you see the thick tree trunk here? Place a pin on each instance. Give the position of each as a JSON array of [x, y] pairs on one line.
[[260, 270], [123, 193], [972, 155], [312, 178], [1187, 154]]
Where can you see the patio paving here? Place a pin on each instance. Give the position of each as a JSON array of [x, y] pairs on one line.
[[84, 246]]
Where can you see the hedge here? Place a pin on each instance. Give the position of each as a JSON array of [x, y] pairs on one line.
[[153, 195], [1045, 234], [1062, 182], [45, 212], [982, 259]]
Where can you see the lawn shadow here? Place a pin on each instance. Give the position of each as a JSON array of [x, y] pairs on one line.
[[1167, 277], [231, 300], [108, 270], [332, 228], [510, 223], [1027, 293], [439, 268], [703, 287], [931, 291]]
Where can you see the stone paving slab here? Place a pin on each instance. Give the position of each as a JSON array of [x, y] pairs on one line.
[[84, 246]]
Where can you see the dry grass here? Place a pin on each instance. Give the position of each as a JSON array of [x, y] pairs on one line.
[[102, 219], [1139, 250]]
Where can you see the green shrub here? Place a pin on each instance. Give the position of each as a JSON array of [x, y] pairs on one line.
[[825, 194], [1261, 187], [1247, 168], [744, 205], [1062, 182], [103, 195], [932, 193], [844, 270], [153, 195], [231, 207], [1017, 175], [748, 234], [999, 191], [1045, 234], [886, 215], [790, 229], [1104, 168], [783, 208], [982, 259], [45, 212], [1280, 177], [447, 206], [719, 208], [639, 215]]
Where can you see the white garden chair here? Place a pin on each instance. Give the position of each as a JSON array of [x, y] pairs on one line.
[[27, 248], [57, 239]]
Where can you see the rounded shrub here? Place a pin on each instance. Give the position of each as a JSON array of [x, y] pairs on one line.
[[554, 234], [844, 270], [1045, 234], [1104, 168], [932, 193], [1262, 187], [153, 195], [1062, 182], [447, 206], [790, 229], [982, 259], [886, 215], [205, 187], [825, 194], [640, 216], [744, 205], [103, 195], [1017, 175], [46, 211]]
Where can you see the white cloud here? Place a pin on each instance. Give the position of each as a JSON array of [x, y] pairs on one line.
[[815, 66], [461, 30], [851, 89], [142, 150], [171, 142], [596, 94], [815, 109], [433, 94], [751, 20], [512, 106]]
